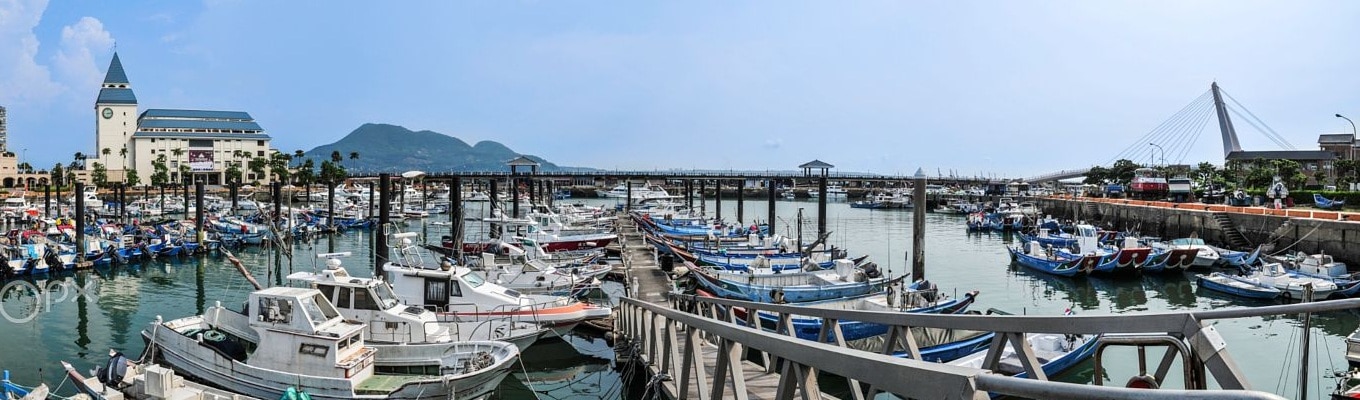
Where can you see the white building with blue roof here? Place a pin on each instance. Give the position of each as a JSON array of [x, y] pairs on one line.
[[203, 143]]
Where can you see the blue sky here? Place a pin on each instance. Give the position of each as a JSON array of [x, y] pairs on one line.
[[1005, 88]]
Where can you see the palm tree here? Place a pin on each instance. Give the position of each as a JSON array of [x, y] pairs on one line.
[[123, 153]]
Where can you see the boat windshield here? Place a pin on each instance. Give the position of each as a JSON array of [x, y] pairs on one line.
[[316, 312], [474, 279], [1188, 242], [385, 295]]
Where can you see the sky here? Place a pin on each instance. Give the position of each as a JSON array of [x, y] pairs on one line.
[[995, 88]]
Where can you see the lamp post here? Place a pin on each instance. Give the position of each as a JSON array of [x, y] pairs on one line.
[[1352, 133], [1162, 150]]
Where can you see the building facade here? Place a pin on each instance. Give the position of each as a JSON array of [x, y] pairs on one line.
[[202, 144]]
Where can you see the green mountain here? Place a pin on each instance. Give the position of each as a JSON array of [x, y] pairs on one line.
[[392, 148]]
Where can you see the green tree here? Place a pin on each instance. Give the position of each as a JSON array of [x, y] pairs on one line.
[[99, 175], [184, 171], [58, 178], [332, 173], [160, 175], [1206, 174], [1098, 175], [278, 166], [130, 178], [1122, 171]]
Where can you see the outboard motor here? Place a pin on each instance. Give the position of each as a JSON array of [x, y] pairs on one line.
[[114, 370], [871, 270]]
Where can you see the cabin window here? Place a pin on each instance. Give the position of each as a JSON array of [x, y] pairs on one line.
[[364, 301], [313, 350], [474, 279], [317, 313], [436, 291], [385, 296], [328, 291], [342, 299]]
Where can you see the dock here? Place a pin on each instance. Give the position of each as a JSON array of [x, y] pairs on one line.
[[647, 282]]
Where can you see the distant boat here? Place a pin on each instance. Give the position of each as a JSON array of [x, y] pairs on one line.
[[1237, 286], [796, 287]]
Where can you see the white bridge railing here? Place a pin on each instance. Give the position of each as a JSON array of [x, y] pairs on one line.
[[671, 338]]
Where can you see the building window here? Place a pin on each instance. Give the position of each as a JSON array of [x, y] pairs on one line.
[[259, 143], [259, 153]]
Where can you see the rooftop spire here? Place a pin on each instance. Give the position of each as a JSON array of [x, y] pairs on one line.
[[115, 74]]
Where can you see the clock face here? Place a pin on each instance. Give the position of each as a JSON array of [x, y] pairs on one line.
[[108, 113]]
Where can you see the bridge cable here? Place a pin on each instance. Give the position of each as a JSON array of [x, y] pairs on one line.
[[1139, 147], [1267, 130], [1176, 133], [1183, 133], [1277, 140], [1189, 135], [1159, 131], [1199, 131]]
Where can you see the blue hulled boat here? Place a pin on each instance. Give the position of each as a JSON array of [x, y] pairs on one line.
[[796, 287], [1237, 286], [1052, 263]]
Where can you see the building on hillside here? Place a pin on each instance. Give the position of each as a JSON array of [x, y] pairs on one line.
[[199, 143]]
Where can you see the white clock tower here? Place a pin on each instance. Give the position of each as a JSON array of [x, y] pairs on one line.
[[115, 121]]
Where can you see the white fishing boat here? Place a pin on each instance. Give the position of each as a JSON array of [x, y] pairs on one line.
[[1291, 285], [638, 192], [833, 192], [293, 337], [1205, 257], [517, 270], [457, 291], [121, 378], [399, 330]]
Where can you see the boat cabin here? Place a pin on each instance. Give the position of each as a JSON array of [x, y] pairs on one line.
[[291, 325], [373, 302]]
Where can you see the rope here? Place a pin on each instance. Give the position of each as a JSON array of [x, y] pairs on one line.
[[1268, 130]]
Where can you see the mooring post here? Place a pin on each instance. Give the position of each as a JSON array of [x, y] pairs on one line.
[[80, 221], [278, 204], [456, 216], [821, 206], [186, 198], [628, 201], [122, 204], [514, 196], [495, 199], [717, 200], [198, 212], [330, 206], [918, 227], [233, 192], [370, 201], [702, 205], [380, 255], [533, 192], [769, 222], [741, 202], [689, 193], [47, 201]]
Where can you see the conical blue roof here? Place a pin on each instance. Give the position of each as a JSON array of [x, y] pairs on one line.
[[115, 74]]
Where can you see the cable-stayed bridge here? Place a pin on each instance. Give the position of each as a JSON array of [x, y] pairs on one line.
[[1172, 140]]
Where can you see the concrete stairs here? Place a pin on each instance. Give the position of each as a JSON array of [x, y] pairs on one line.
[[1231, 235]]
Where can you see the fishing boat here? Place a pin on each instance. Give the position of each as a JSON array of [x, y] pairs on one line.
[[459, 292], [640, 192], [1056, 353], [120, 378], [919, 297], [1205, 257], [1291, 285], [846, 280], [1237, 286], [517, 227], [412, 331], [1162, 260], [536, 276], [1046, 260], [293, 337], [1238, 259]]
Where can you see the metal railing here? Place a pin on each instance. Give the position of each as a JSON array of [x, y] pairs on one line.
[[670, 340]]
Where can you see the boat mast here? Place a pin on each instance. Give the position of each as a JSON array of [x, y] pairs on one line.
[[1303, 350]]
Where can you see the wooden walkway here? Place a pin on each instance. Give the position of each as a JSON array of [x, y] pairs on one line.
[[649, 283]]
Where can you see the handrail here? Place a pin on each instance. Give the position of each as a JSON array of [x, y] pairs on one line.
[[901, 376], [1169, 321]]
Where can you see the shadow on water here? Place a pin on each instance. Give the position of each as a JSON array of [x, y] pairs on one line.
[[1078, 293]]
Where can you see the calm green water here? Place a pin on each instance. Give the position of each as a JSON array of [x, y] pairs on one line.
[[82, 330]]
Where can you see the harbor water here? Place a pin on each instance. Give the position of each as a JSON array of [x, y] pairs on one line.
[[48, 320]]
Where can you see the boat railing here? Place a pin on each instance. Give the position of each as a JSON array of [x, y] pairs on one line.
[[1192, 328]]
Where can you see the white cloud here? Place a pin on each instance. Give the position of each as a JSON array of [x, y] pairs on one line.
[[774, 143], [22, 78], [76, 60]]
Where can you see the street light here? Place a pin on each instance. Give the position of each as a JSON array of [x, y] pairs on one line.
[[1159, 148], [1352, 133]]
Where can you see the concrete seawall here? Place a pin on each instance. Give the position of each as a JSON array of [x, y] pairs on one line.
[[1341, 239]]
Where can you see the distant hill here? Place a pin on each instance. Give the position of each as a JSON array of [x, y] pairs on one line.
[[392, 148]]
